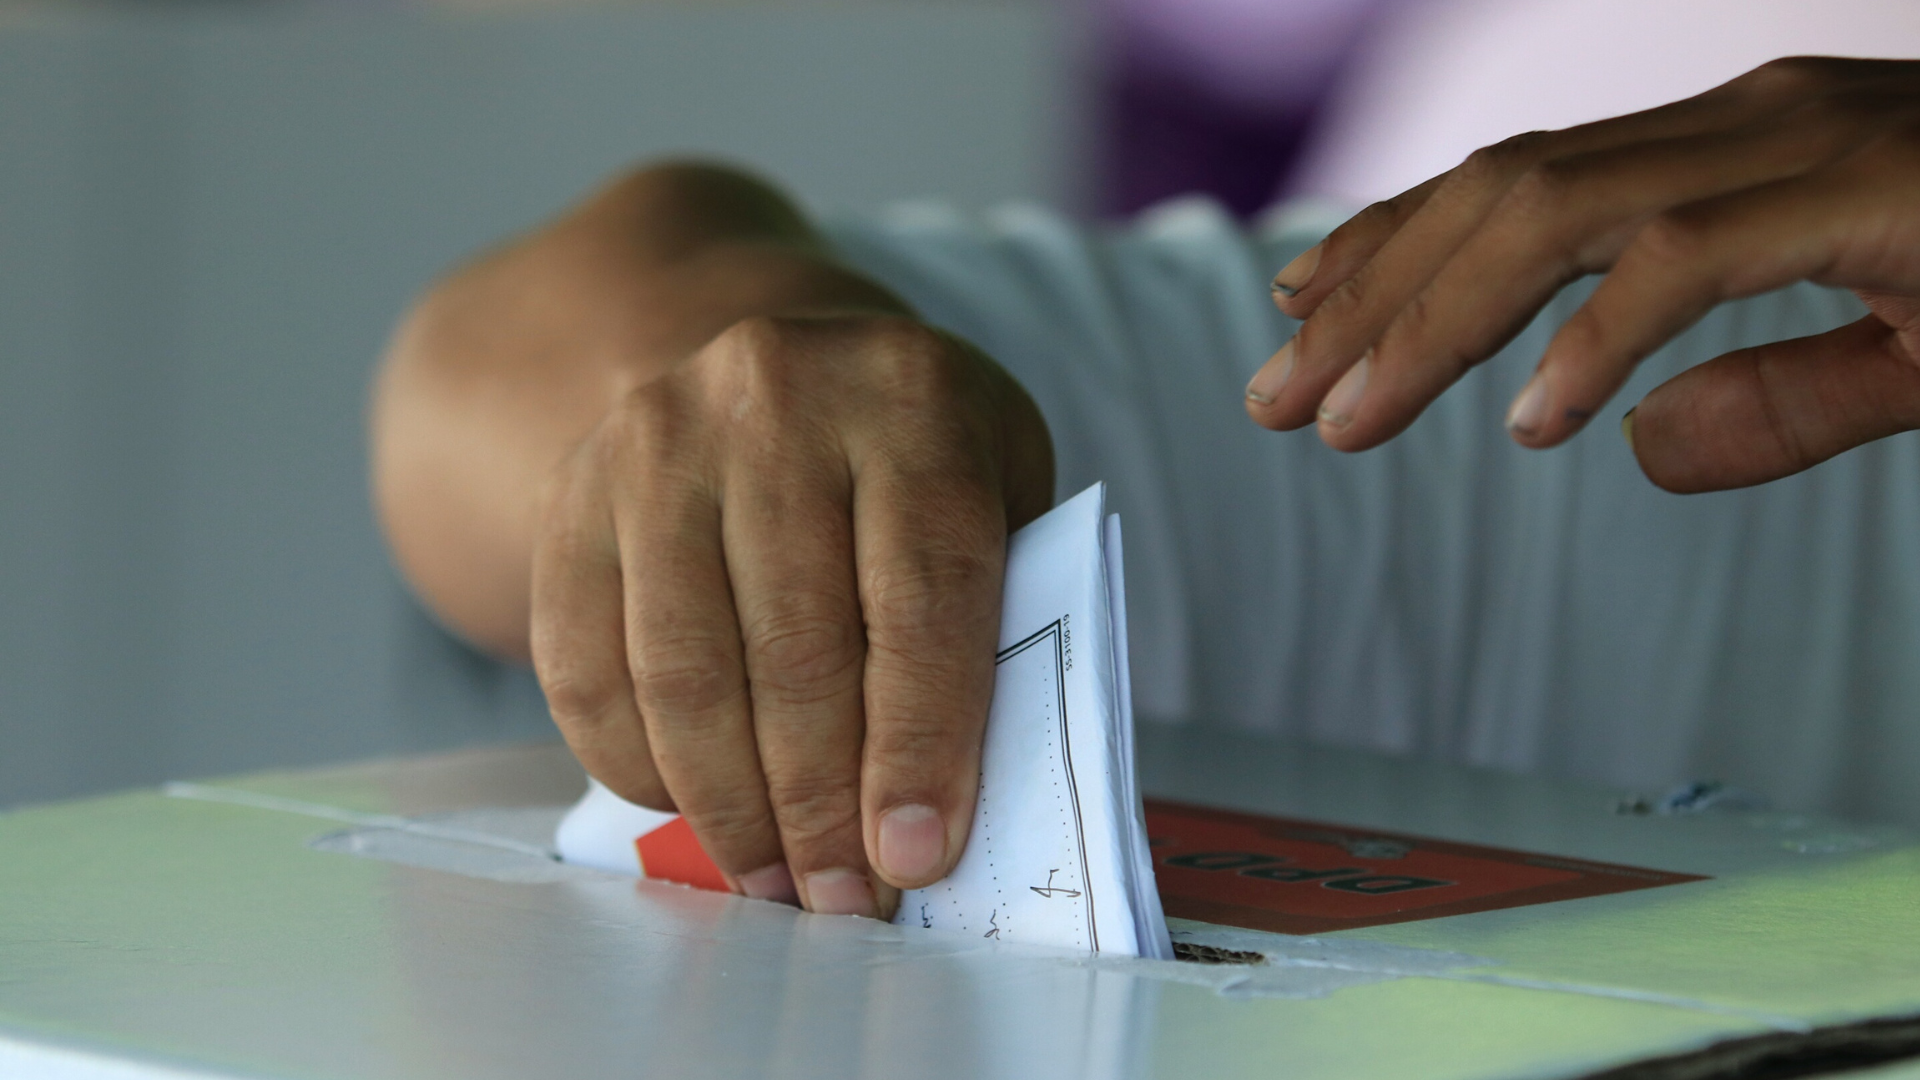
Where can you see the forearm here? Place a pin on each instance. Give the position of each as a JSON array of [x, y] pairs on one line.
[[502, 367]]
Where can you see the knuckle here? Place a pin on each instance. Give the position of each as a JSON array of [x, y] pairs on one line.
[[762, 372], [765, 377], [1415, 319], [914, 738], [753, 337], [1791, 76], [1676, 237], [948, 527], [802, 654], [578, 701], [1364, 231], [1548, 189], [753, 362], [929, 752], [683, 675], [640, 785], [925, 593], [1379, 215], [630, 775], [811, 809], [1497, 164], [1444, 353], [729, 827], [915, 368], [1774, 409], [1350, 304]]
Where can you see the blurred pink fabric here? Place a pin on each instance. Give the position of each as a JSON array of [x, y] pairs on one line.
[[1443, 78]]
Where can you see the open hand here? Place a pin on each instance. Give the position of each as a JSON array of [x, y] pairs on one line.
[[1804, 169]]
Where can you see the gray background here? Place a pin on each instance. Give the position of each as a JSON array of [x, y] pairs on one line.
[[209, 219]]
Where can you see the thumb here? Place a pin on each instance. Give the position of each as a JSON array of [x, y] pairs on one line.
[[1763, 413]]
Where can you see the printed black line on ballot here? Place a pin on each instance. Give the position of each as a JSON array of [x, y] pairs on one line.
[[1053, 630]]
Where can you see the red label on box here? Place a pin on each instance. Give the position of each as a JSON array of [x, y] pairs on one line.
[[1302, 877]]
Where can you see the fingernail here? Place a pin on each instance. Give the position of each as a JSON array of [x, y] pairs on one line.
[[1294, 276], [1341, 402], [913, 841], [771, 882], [840, 892], [1529, 409], [1272, 376], [1626, 426]]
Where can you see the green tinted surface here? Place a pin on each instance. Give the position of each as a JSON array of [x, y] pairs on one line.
[[1828, 939], [209, 933], [125, 920], [1427, 1028], [206, 933]]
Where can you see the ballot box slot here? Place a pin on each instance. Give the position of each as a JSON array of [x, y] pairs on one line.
[[1197, 953]]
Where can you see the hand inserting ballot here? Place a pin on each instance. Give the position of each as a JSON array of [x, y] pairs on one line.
[[1804, 169], [766, 593], [746, 515]]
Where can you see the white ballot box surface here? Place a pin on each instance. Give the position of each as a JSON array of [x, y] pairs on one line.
[[407, 920], [1057, 854]]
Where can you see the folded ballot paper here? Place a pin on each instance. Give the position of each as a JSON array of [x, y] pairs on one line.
[[1058, 852]]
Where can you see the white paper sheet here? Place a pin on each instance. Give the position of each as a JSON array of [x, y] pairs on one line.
[[1058, 850]]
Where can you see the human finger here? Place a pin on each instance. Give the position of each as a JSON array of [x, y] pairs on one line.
[[1564, 218], [1305, 281], [932, 556], [578, 637], [930, 540], [683, 647], [1348, 315], [789, 548], [1290, 389], [1763, 413], [1851, 223]]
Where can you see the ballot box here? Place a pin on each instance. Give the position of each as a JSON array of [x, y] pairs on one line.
[[404, 920]]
